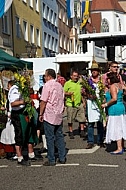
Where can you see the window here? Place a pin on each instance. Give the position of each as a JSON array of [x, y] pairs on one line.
[[75, 46], [56, 45], [55, 19], [37, 5], [119, 21], [25, 30], [51, 16], [31, 34], [64, 42], [5, 24], [31, 3], [45, 40], [105, 26], [68, 45], [44, 12], [52, 43], [67, 23], [60, 14], [60, 39], [38, 37], [18, 31], [47, 13], [64, 17], [49, 42], [71, 48]]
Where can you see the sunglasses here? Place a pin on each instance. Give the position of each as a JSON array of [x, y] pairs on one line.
[[115, 66]]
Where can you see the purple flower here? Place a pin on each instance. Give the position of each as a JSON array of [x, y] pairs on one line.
[[90, 82]]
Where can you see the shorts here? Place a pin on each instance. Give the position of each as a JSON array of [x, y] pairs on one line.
[[76, 113]]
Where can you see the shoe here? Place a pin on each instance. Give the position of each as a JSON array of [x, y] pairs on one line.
[[102, 145], [42, 150], [82, 134], [35, 159], [14, 158], [24, 163], [61, 162], [89, 146], [124, 149], [3, 155], [47, 163], [117, 153], [71, 135]]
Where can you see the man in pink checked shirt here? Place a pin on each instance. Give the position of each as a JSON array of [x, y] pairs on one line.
[[51, 109]]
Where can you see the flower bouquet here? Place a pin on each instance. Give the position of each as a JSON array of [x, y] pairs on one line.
[[96, 95], [23, 80]]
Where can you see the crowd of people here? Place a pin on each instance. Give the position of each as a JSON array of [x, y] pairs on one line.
[[55, 95]]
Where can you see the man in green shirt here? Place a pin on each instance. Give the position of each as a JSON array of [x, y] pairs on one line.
[[74, 103]]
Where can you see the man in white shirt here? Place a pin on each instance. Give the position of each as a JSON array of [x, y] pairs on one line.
[[17, 112]]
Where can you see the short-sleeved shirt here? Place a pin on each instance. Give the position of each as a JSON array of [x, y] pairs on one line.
[[75, 87], [14, 95], [53, 95]]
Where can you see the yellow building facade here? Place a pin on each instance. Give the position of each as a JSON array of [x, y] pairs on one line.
[[26, 17]]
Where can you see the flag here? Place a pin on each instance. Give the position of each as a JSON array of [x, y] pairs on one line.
[[4, 6], [83, 7], [78, 9], [85, 12], [70, 9]]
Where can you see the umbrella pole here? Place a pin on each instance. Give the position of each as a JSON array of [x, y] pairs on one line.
[[2, 89]]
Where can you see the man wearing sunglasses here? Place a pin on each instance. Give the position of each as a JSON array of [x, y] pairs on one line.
[[113, 67]]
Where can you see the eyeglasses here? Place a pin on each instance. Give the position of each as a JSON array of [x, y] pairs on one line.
[[115, 67]]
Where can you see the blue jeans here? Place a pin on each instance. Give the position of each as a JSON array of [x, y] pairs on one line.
[[100, 132], [54, 135]]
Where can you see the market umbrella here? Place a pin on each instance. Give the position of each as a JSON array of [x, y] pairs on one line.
[[9, 62]]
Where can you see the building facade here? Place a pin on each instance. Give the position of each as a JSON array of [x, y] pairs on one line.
[[6, 38], [50, 34], [63, 28], [106, 18], [26, 17]]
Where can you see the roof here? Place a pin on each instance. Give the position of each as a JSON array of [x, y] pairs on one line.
[[123, 4], [98, 5], [95, 23]]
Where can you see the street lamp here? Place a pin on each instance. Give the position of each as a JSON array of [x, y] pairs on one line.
[[28, 49], [31, 49]]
